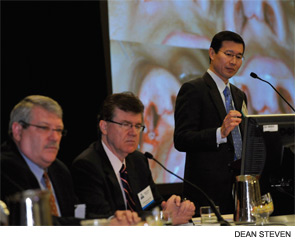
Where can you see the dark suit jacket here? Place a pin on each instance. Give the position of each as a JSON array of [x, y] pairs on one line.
[[96, 183], [16, 176], [199, 111]]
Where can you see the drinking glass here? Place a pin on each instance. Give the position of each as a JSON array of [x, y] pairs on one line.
[[263, 210], [207, 215], [158, 218]]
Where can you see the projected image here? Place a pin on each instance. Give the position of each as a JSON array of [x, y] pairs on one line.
[[158, 45]]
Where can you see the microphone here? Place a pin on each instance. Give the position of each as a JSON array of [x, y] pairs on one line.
[[255, 76], [221, 220]]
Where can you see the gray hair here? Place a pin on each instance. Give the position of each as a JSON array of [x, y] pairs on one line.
[[22, 110]]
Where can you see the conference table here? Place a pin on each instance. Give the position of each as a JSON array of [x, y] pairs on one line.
[[284, 220]]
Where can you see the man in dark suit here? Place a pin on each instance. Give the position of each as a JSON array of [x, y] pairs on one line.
[[96, 171], [203, 128], [36, 129]]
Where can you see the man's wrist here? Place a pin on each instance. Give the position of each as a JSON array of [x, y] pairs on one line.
[[219, 138]]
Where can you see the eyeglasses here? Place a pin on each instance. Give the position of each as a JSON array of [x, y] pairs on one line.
[[127, 126], [230, 55], [44, 129]]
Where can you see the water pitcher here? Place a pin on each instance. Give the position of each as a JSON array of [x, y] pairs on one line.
[[30, 208], [247, 195]]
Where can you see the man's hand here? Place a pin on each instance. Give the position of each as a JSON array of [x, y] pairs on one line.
[[124, 218], [181, 212], [232, 119]]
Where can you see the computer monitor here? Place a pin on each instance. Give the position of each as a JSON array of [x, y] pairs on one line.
[[268, 151]]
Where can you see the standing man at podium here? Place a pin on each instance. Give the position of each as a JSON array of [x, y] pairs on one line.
[[208, 115]]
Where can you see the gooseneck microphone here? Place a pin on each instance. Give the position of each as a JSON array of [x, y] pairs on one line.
[[255, 76], [221, 220]]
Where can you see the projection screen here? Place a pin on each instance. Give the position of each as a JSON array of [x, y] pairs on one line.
[[158, 45]]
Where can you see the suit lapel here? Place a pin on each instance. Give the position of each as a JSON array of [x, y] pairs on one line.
[[55, 179], [111, 177], [237, 97], [215, 95], [133, 181], [115, 186]]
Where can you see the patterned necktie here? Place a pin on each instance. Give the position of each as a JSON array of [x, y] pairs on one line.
[[235, 132], [127, 189], [53, 207]]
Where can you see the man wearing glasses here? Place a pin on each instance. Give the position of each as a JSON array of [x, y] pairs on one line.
[[112, 175], [28, 159], [208, 114]]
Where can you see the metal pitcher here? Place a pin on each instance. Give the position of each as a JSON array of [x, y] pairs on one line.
[[30, 208], [247, 195]]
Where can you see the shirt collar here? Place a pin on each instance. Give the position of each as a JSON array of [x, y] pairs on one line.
[[116, 163], [219, 82], [36, 170]]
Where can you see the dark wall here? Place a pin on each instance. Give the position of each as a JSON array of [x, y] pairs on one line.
[[61, 50], [56, 49]]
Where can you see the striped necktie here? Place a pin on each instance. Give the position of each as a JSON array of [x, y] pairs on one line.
[[53, 207], [127, 189], [235, 132]]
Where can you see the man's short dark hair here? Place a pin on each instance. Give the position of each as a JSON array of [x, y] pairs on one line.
[[125, 101]]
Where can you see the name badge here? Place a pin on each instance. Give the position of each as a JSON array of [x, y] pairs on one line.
[[244, 109], [146, 197]]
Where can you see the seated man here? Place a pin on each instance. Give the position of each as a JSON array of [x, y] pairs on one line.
[[36, 129], [112, 175]]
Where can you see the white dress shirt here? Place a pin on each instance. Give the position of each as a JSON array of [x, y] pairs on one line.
[[116, 164]]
